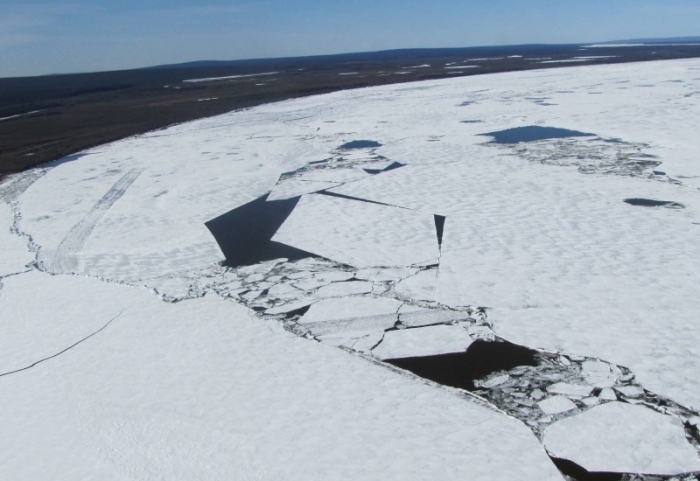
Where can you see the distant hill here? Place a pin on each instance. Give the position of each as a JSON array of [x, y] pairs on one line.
[[381, 56], [655, 40]]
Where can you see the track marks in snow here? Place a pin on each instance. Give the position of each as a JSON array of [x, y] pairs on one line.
[[65, 258]]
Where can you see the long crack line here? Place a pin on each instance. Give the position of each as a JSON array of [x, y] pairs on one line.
[[64, 350]]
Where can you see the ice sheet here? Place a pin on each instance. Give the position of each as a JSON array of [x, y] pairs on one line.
[[358, 233], [199, 390], [537, 234]]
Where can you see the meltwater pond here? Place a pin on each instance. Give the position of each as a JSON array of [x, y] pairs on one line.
[[532, 133], [360, 144], [463, 368]]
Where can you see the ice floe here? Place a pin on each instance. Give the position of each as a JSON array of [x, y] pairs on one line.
[[427, 341], [359, 233], [623, 438]]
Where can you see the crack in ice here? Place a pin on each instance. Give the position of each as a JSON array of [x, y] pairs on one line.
[[64, 350]]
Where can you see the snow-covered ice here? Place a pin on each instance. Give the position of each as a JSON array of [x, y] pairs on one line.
[[623, 438], [556, 405], [358, 233], [425, 341], [200, 390], [541, 247]]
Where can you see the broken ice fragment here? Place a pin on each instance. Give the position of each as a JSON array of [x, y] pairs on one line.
[[591, 401], [537, 394], [350, 316], [570, 390], [556, 405], [419, 287], [493, 382], [310, 284], [481, 332], [598, 374], [338, 289], [426, 341], [333, 276], [358, 233], [350, 308], [622, 438], [290, 307], [607, 395], [251, 295], [426, 317], [381, 275], [630, 391], [284, 292]]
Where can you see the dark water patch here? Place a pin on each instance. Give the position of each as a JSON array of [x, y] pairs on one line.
[[244, 233], [297, 312], [463, 368], [471, 121], [532, 133], [654, 203], [658, 172], [360, 144], [466, 102], [316, 162], [439, 227], [393, 166], [577, 473]]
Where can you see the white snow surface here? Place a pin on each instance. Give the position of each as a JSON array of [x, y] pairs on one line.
[[359, 234], [423, 341], [350, 308], [623, 438], [199, 390], [537, 233]]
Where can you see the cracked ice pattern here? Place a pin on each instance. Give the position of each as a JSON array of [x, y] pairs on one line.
[[533, 251]]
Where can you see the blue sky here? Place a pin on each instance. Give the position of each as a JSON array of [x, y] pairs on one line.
[[59, 36]]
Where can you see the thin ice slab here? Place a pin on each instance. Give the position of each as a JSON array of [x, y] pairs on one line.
[[425, 341], [358, 233], [623, 438], [349, 308]]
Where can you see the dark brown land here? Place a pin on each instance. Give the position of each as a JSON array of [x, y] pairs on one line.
[[79, 111]]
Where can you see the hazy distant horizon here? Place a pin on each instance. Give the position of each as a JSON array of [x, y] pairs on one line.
[[54, 37]]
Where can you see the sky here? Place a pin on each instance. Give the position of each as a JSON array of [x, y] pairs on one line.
[[84, 36]]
